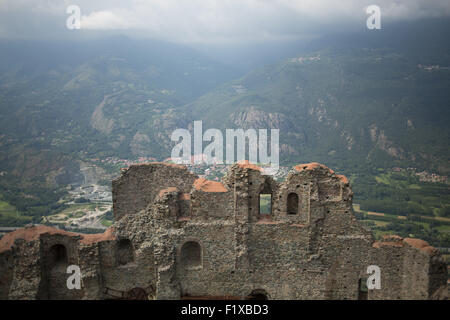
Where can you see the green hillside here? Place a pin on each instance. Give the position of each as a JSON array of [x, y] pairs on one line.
[[360, 106], [65, 102], [373, 109]]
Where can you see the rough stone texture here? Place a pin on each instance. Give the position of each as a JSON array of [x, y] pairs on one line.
[[178, 236]]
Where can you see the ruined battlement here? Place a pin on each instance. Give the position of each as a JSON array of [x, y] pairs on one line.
[[177, 235], [198, 198]]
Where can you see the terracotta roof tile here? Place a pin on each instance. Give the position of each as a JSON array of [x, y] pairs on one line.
[[34, 232], [420, 244], [311, 166], [343, 178], [29, 234], [209, 186], [246, 164], [98, 237]]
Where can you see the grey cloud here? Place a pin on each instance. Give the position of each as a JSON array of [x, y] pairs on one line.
[[206, 21]]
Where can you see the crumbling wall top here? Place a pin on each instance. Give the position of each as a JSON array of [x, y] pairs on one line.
[[311, 166], [34, 232], [397, 241], [98, 237], [421, 245], [138, 186], [209, 186], [245, 164], [153, 164], [343, 178]]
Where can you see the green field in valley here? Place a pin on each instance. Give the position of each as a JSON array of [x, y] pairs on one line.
[[434, 230]]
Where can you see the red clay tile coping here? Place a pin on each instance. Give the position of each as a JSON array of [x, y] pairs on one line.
[[34, 232], [97, 237], [247, 165], [397, 241], [343, 178], [209, 186], [420, 244], [311, 166]]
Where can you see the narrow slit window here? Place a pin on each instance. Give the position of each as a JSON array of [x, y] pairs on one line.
[[292, 203]]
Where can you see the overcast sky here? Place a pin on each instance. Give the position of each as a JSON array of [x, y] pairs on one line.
[[205, 21]]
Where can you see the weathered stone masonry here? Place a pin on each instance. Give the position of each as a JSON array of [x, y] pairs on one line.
[[177, 236]]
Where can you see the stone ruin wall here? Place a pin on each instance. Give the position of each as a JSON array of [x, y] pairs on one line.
[[176, 235]]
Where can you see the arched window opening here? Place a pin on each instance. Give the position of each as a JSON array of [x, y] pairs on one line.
[[125, 252], [57, 254], [265, 203], [191, 255], [258, 294], [292, 203]]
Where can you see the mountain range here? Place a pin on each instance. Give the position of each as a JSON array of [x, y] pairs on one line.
[[370, 100]]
